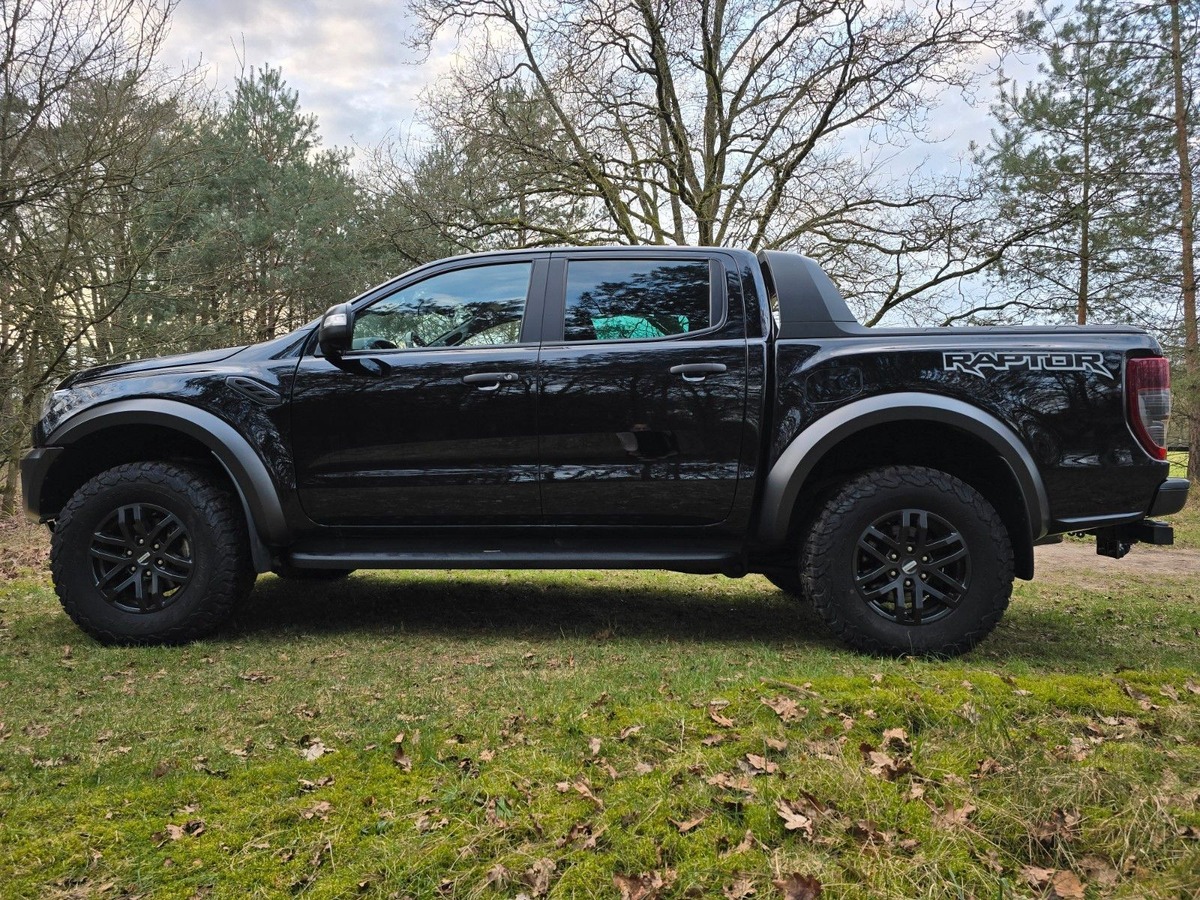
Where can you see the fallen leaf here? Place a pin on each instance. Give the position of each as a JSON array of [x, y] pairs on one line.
[[498, 876], [594, 746], [312, 748], [537, 876], [732, 783], [785, 707], [646, 886], [1168, 691], [399, 757], [1098, 871], [685, 827], [1061, 827], [1036, 877], [882, 765], [741, 888], [774, 744], [319, 810], [794, 817], [754, 764], [896, 740], [627, 733], [712, 740], [721, 720], [748, 843], [798, 887], [643, 768], [257, 677], [950, 816], [1066, 886]]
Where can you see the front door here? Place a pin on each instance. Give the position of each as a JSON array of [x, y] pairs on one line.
[[643, 401], [431, 419]]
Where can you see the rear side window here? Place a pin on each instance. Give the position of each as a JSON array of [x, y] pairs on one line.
[[623, 300]]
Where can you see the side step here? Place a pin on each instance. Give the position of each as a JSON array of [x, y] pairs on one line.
[[696, 557]]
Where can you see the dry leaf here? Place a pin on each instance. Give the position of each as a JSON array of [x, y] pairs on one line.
[[537, 876], [498, 876], [758, 765], [721, 720], [1062, 826], [712, 740], [951, 817], [399, 757], [629, 732], [896, 740], [646, 886], [1036, 877], [741, 888], [732, 783], [1065, 885], [643, 768], [318, 810], [594, 746], [786, 708], [798, 887], [749, 842], [882, 765], [794, 817], [685, 827], [1098, 871], [773, 744], [312, 748]]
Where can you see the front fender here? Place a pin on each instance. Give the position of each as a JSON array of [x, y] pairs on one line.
[[257, 489], [796, 463]]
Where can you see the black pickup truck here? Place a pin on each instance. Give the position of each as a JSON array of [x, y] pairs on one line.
[[696, 409]]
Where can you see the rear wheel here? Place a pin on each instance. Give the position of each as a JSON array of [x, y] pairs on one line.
[[908, 559], [150, 552]]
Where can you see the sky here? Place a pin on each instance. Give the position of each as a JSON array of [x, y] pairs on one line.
[[348, 59], [350, 62]]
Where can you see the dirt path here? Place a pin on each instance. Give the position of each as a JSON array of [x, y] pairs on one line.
[[1069, 557]]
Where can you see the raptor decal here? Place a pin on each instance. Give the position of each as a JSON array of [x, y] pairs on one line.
[[981, 362]]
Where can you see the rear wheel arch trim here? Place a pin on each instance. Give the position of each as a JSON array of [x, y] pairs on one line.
[[256, 489], [796, 463]]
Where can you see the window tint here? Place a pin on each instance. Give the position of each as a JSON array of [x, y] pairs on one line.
[[619, 300], [473, 307]]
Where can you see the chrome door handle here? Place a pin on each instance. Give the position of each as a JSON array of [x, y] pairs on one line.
[[696, 372]]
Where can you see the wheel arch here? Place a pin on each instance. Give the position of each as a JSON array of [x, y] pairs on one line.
[[126, 430], [957, 438]]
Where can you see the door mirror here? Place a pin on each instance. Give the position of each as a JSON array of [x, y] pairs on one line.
[[337, 330]]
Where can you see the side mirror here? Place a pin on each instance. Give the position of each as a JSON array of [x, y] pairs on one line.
[[337, 330]]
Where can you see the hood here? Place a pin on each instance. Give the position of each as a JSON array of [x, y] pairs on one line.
[[116, 370]]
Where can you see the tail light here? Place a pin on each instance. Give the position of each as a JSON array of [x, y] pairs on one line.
[[1148, 393]]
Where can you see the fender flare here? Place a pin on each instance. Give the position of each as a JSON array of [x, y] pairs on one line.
[[246, 469], [797, 462]]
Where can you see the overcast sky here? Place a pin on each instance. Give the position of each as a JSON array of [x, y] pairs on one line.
[[350, 63], [347, 58]]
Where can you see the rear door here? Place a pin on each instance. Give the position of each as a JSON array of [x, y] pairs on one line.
[[642, 400]]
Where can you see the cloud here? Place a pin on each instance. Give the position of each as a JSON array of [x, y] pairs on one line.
[[348, 59]]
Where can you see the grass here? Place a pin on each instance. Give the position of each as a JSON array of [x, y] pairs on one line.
[[561, 729]]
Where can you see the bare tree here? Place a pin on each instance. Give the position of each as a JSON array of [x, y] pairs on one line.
[[736, 122], [84, 127]]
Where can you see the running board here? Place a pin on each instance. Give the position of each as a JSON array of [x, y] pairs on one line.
[[480, 553]]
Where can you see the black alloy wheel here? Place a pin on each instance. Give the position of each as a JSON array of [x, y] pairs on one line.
[[912, 567], [141, 558]]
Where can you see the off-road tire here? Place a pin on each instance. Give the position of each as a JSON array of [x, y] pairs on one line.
[[289, 572], [834, 564], [217, 543]]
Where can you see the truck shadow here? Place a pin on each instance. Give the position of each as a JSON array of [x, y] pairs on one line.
[[540, 606]]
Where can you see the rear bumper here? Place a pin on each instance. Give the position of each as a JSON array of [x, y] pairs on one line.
[[34, 468], [1171, 497]]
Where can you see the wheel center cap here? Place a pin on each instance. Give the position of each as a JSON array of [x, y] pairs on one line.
[[145, 557], [910, 566]]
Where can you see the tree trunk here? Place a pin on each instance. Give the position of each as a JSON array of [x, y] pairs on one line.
[[1191, 349]]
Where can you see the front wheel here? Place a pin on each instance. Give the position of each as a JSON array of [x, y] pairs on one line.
[[908, 559], [150, 552]]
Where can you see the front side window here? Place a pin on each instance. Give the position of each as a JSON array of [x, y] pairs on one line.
[[476, 307], [622, 300]]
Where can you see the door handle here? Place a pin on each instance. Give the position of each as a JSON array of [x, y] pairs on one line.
[[696, 372], [489, 381]]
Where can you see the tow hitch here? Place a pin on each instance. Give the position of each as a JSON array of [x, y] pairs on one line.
[[1116, 540]]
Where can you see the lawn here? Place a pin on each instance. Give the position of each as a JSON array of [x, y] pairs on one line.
[[480, 735]]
